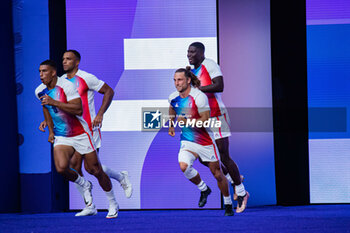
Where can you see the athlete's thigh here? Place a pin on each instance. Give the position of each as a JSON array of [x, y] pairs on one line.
[[222, 144], [214, 167], [62, 155], [190, 147], [91, 159]]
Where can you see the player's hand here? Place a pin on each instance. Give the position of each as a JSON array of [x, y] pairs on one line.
[[42, 126], [47, 100], [97, 122], [171, 131], [51, 138]]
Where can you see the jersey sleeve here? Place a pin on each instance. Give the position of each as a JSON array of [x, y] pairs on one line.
[[202, 102], [93, 82], [172, 96], [213, 69], [38, 90], [170, 99], [70, 91]]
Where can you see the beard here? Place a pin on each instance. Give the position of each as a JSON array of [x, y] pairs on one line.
[[68, 70]]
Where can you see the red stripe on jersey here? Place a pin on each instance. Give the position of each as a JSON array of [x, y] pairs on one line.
[[213, 103], [83, 92]]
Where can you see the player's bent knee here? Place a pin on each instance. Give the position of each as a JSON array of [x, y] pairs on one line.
[[218, 176], [183, 166], [96, 171], [190, 172], [60, 170], [186, 160], [225, 160], [61, 166]]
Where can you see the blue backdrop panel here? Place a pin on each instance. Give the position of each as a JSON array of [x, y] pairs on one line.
[[9, 182], [32, 26]]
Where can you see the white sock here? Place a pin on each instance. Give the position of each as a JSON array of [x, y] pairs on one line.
[[111, 197], [227, 200], [81, 181], [112, 174], [202, 186], [240, 191], [80, 189], [228, 177]]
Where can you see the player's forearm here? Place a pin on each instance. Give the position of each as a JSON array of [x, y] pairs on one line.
[[172, 115], [171, 121], [48, 120], [216, 86], [212, 88], [204, 116], [106, 101], [50, 126], [72, 108]]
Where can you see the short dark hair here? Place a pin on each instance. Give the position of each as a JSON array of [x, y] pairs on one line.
[[198, 45], [75, 52], [49, 63]]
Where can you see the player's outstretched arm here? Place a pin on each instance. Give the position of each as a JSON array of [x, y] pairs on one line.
[[108, 94], [216, 86]]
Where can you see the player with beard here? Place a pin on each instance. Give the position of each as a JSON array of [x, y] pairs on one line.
[[188, 103]]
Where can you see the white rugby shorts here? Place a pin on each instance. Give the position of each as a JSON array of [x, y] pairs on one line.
[[82, 143], [223, 131], [206, 153], [97, 137]]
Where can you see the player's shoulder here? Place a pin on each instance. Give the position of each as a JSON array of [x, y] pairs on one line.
[[40, 88], [210, 64], [173, 95], [212, 67], [208, 61], [84, 74], [195, 93], [64, 83]]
